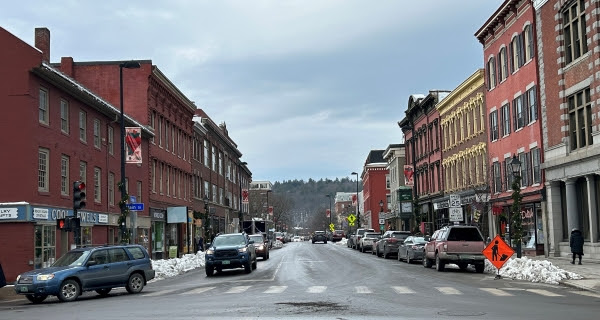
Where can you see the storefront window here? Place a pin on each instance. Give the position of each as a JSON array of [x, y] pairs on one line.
[[86, 236], [529, 227], [158, 237], [45, 246], [143, 238]]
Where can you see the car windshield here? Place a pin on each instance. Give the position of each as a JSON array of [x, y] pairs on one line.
[[73, 258], [237, 240], [257, 238], [319, 232], [372, 235], [400, 236], [419, 240]]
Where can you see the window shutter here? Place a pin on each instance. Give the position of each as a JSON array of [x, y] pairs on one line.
[[521, 50], [511, 57], [499, 68], [491, 129], [514, 109], [525, 101], [530, 38]]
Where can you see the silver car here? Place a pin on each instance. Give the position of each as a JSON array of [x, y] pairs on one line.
[[367, 242], [411, 249]]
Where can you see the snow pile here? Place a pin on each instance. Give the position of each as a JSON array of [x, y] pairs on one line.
[[532, 270], [176, 266], [343, 242], [277, 244]]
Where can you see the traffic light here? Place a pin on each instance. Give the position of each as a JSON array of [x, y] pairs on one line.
[[78, 195], [63, 224]]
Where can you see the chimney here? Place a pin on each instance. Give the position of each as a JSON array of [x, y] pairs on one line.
[[66, 66], [42, 42]]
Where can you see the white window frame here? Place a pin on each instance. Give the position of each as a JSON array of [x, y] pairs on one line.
[[43, 169], [64, 116], [44, 106]]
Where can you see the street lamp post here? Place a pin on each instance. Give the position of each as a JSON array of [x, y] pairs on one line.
[[329, 196], [380, 211], [516, 228], [122, 205], [239, 181], [206, 221], [357, 204]]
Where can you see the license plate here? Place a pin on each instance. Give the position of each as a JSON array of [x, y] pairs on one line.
[[225, 262], [23, 289]]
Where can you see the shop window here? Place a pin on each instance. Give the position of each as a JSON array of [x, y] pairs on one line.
[[86, 236], [45, 246]]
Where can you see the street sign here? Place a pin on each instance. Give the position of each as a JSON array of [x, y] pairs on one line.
[[351, 218], [135, 206], [455, 214], [328, 212], [351, 224], [454, 201], [132, 199], [381, 227], [331, 227], [381, 221], [498, 252]]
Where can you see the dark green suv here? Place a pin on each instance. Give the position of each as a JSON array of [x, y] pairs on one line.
[[229, 251]]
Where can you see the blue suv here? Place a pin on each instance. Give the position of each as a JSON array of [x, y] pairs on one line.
[[229, 251], [87, 269]]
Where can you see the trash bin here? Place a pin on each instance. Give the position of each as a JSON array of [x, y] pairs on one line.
[[2, 278]]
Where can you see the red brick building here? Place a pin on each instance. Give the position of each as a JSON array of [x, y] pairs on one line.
[[514, 126], [52, 123], [567, 34], [374, 189]]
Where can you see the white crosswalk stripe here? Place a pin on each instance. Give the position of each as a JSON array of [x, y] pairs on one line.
[[545, 293], [497, 292], [363, 289], [238, 289], [276, 289], [448, 290], [403, 290], [316, 289], [159, 293], [199, 290]]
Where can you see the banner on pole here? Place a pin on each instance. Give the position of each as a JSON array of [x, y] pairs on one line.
[[408, 176], [245, 195], [133, 145]]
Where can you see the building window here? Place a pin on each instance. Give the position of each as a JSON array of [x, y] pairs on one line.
[[491, 69], [45, 246], [154, 176], [525, 169], [168, 181], [494, 125], [508, 176], [214, 159], [497, 178], [97, 133], [83, 171], [111, 189], [528, 41], [43, 108], [43, 162], [580, 119], [206, 153], [111, 140], [502, 65], [160, 184], [214, 193], [82, 126], [535, 162], [138, 189], [167, 129], [153, 124], [516, 53], [64, 175], [531, 104], [160, 131], [505, 120], [206, 189], [518, 114], [64, 116], [221, 201], [574, 31], [221, 163], [97, 185], [173, 130]]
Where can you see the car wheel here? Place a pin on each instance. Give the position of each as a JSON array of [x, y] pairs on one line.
[[426, 262], [325, 241], [209, 271], [36, 298], [313, 242], [254, 264], [479, 268], [248, 267], [103, 292], [399, 256], [69, 291], [385, 253], [462, 266], [439, 264], [408, 257], [219, 269], [135, 283]]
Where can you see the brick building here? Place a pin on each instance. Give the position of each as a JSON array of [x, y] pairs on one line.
[[374, 191], [52, 123], [464, 152], [568, 55], [513, 117]]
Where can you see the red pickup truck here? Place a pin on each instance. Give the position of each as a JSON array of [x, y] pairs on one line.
[[458, 244]]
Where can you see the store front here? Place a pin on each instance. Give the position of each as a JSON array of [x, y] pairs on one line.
[[533, 239], [157, 239]]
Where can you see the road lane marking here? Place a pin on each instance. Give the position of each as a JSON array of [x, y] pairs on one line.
[[403, 290], [363, 289], [545, 293], [238, 289], [496, 292], [316, 289], [448, 290], [159, 293], [276, 289], [199, 290]]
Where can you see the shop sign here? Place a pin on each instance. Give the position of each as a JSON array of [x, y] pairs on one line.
[[158, 215], [103, 218], [9, 213], [440, 205], [40, 213]]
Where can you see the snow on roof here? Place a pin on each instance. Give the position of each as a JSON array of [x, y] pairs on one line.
[[18, 203], [90, 93]]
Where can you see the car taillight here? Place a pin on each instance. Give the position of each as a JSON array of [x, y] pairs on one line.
[[392, 240], [416, 247]]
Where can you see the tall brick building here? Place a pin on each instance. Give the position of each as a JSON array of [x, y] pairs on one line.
[[569, 55]]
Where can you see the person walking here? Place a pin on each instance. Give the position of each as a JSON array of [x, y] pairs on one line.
[[200, 244], [576, 243]]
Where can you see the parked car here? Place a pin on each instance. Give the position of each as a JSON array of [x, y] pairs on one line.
[[319, 236], [389, 243], [357, 235], [296, 239], [261, 245], [459, 244], [229, 251], [337, 235], [279, 237], [87, 269], [368, 240], [411, 249]]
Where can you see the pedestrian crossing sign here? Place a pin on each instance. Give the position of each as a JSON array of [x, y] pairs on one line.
[[498, 252]]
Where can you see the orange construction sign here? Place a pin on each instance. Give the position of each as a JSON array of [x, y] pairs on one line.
[[498, 252]]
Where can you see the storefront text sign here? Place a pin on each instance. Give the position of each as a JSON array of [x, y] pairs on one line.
[[40, 213], [9, 213]]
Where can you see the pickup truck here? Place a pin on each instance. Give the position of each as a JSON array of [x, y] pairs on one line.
[[458, 244]]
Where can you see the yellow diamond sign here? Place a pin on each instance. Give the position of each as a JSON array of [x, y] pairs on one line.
[[351, 218]]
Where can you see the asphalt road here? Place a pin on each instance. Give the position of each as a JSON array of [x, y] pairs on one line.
[[325, 281]]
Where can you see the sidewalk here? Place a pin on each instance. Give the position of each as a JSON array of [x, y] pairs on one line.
[[589, 270]]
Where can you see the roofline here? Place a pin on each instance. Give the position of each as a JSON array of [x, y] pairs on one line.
[[480, 34], [161, 76]]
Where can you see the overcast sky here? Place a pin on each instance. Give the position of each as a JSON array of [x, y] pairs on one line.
[[306, 87]]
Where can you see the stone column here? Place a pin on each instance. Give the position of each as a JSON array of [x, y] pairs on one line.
[[591, 184], [553, 227], [572, 215]]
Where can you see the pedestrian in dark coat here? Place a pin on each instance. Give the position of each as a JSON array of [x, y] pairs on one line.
[[576, 243], [200, 244]]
